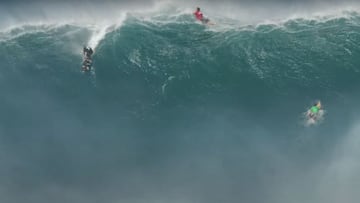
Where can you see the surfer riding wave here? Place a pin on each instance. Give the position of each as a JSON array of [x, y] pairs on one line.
[[87, 60], [199, 16]]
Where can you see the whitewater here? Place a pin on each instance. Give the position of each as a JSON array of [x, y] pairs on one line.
[[175, 111]]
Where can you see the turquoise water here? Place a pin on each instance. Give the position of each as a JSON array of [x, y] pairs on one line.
[[178, 112]]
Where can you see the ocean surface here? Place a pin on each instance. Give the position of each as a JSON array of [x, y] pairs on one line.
[[178, 112]]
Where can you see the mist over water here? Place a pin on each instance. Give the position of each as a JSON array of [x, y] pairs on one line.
[[94, 11], [175, 111]]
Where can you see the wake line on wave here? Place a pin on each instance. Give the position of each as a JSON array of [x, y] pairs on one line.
[[99, 32], [97, 36]]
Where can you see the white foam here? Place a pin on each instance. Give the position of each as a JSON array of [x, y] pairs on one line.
[[225, 13], [312, 122], [100, 31]]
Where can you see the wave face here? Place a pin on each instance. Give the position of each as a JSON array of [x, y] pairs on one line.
[[178, 112]]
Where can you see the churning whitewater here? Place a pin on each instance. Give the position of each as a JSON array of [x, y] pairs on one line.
[[177, 111]]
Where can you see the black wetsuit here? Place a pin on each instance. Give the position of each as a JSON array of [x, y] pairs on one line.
[[88, 52], [87, 62]]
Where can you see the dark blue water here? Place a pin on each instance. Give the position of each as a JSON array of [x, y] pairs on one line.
[[180, 112]]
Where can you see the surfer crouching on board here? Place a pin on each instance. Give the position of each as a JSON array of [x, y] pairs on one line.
[[199, 16]]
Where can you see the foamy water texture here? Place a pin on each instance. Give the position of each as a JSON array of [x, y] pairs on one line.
[[179, 111]]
